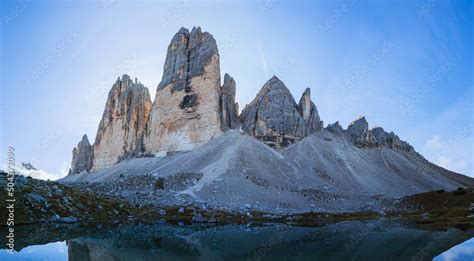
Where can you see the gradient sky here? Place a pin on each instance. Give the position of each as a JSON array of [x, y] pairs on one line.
[[406, 65]]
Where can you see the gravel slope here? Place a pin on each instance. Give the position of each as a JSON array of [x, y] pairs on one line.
[[323, 172]]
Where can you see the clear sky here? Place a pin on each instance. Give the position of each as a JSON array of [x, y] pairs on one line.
[[406, 65]]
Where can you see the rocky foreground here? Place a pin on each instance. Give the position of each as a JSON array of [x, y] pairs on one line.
[[50, 202]]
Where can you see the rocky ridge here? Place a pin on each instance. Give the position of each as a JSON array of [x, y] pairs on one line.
[[192, 110]]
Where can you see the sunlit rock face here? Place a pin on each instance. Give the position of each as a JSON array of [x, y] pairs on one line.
[[123, 125], [274, 117], [186, 112], [82, 157]]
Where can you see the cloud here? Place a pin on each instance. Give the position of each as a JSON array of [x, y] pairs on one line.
[[433, 144], [444, 152], [263, 60], [34, 173]]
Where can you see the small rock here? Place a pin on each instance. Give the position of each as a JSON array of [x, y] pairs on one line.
[[68, 220], [198, 218]]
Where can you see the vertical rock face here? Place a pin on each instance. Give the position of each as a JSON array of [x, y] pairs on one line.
[[123, 125], [310, 113], [82, 157], [230, 109], [186, 111], [273, 115]]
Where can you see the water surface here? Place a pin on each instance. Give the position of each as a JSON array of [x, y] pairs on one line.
[[383, 239]]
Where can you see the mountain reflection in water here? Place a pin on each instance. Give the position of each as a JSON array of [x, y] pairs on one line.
[[382, 239]]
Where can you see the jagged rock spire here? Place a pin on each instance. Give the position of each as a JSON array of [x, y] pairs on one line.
[[335, 128], [310, 113], [122, 128], [82, 156], [360, 134], [358, 128], [186, 111], [230, 109]]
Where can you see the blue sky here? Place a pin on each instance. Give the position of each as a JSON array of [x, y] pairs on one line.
[[406, 65]]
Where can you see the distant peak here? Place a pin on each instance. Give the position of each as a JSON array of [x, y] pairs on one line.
[[196, 30], [360, 119], [227, 77], [85, 139]]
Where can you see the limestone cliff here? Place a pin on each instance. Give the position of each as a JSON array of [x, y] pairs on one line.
[[123, 125], [186, 111], [82, 157]]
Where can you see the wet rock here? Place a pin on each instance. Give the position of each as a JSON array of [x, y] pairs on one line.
[[68, 220], [198, 218]]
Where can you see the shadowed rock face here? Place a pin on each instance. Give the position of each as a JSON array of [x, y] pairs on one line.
[[230, 108], [310, 113], [121, 130], [335, 128], [82, 157], [186, 112], [360, 134], [275, 118]]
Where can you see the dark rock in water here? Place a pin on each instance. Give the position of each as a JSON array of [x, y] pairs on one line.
[[122, 128], [335, 128], [230, 109], [273, 116], [310, 113], [82, 156]]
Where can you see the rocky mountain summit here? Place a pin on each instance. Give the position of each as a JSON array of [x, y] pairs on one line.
[[275, 118], [122, 128], [194, 146]]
